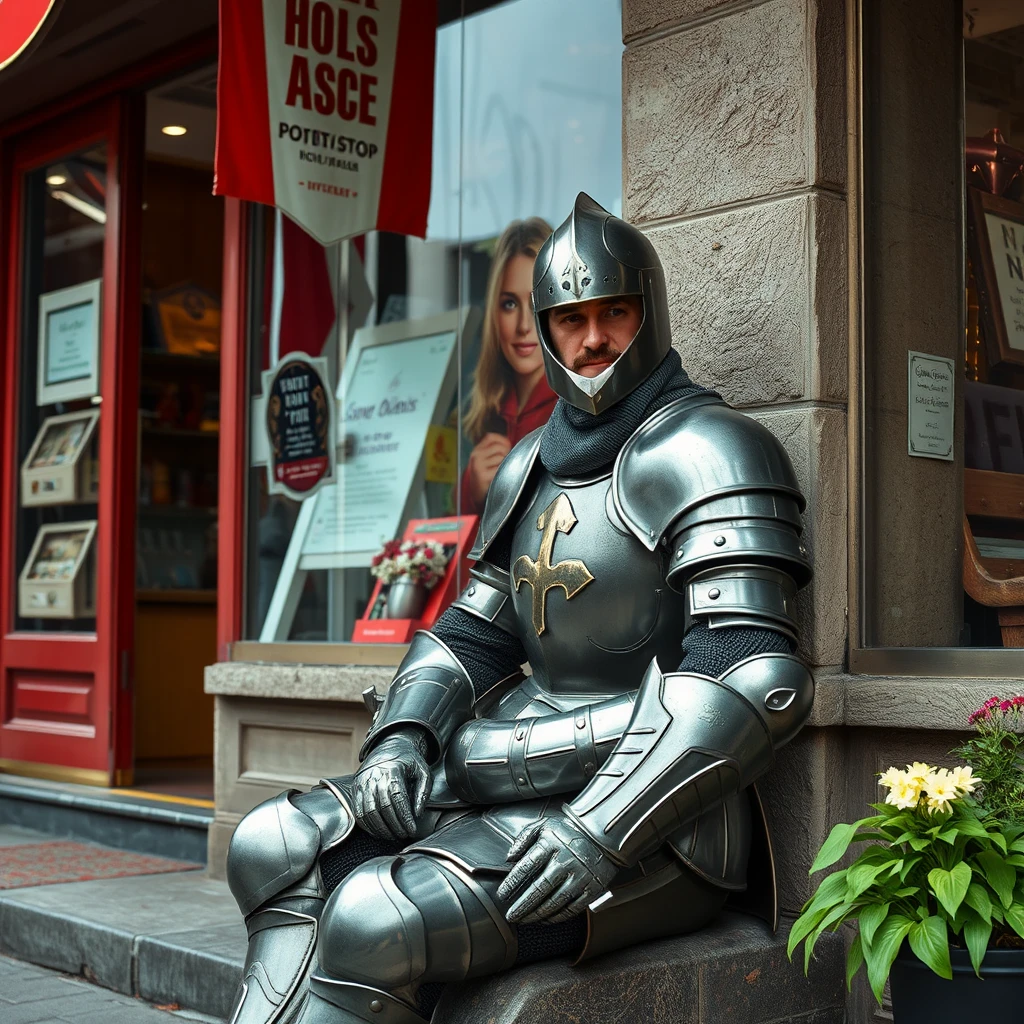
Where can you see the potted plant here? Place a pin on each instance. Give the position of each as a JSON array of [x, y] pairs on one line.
[[409, 569], [940, 889]]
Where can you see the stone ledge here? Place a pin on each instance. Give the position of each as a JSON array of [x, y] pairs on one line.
[[736, 971], [295, 682]]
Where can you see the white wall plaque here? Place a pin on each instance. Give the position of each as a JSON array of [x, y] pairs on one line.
[[69, 343], [930, 406]]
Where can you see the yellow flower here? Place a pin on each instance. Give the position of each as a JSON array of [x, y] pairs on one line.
[[940, 788], [919, 771], [905, 793], [965, 780], [890, 778]]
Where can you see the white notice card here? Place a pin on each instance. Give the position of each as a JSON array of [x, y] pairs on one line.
[[930, 406], [385, 413]]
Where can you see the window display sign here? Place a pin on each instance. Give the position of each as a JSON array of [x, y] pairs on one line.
[[188, 319], [69, 343], [21, 25], [930, 406], [325, 111], [996, 236], [59, 467], [299, 423], [398, 380], [59, 581]]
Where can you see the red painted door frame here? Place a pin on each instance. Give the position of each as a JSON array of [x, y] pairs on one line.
[[64, 697], [112, 108]]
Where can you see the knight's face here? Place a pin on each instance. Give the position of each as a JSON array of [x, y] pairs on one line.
[[589, 336]]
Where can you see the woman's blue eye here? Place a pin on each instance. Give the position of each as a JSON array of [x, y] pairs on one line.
[[508, 303]]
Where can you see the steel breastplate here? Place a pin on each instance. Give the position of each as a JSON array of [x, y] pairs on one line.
[[591, 601]]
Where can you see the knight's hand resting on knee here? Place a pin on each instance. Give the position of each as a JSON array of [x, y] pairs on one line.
[[392, 785], [562, 869]]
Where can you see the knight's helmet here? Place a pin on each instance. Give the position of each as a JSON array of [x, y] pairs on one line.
[[593, 255]]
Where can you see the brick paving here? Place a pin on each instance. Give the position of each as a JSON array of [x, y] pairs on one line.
[[35, 995]]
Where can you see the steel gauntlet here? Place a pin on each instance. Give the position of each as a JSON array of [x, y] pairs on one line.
[[431, 689], [497, 762], [692, 742]]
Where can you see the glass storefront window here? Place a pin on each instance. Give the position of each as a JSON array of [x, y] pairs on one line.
[[65, 218], [426, 345]]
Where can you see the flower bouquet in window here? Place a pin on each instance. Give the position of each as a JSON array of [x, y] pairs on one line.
[[409, 569], [938, 892]]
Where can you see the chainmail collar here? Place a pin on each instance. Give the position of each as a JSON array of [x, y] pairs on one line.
[[576, 442]]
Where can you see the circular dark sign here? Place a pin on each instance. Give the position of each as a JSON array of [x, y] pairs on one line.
[[20, 22], [298, 427]]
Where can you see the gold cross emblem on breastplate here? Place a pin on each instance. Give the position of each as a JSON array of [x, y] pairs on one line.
[[571, 574]]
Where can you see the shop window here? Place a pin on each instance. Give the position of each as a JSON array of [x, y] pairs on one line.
[[425, 348], [66, 213], [941, 438]]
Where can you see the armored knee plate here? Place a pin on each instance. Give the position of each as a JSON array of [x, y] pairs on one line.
[[272, 872], [397, 921]]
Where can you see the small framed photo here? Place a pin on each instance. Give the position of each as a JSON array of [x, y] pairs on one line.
[[995, 231], [61, 466], [69, 343], [59, 577]]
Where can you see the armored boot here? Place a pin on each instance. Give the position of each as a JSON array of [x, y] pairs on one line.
[[273, 875]]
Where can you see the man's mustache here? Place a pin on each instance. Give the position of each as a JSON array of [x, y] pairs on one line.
[[604, 354]]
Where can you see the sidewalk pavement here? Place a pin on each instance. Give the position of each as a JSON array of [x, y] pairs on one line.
[[172, 938], [34, 995]]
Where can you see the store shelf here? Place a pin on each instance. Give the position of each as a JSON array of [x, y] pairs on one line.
[[179, 433], [175, 596], [178, 511], [175, 361]]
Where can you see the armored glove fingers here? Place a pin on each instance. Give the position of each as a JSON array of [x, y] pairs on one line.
[[392, 785], [563, 871]]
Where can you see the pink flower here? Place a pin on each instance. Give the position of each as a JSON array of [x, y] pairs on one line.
[[991, 702], [1005, 705], [428, 552]]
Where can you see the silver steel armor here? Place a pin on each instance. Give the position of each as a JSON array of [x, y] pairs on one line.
[[612, 780], [593, 255], [431, 690]]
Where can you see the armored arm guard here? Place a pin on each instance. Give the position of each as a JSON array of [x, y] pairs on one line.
[[692, 742], [497, 762], [431, 689]]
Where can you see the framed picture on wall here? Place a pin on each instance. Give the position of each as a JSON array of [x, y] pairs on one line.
[[995, 230], [69, 344]]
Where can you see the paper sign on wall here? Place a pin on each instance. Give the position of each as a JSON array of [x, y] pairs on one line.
[[930, 406], [325, 110]]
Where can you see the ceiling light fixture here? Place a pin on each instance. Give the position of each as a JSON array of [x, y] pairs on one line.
[[173, 129], [56, 179]]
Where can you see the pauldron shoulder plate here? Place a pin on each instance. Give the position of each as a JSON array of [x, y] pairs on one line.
[[505, 489], [716, 485]]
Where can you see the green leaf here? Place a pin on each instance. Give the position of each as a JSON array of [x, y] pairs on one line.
[[835, 846], [1015, 918], [802, 927], [853, 961], [929, 940], [832, 919], [950, 887], [831, 891], [881, 953], [860, 877], [1016, 859], [1017, 846], [972, 827], [998, 874], [977, 933], [919, 843], [949, 836], [979, 900], [870, 918], [911, 863]]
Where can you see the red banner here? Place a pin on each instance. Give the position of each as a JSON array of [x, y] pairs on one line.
[[325, 110], [20, 22]]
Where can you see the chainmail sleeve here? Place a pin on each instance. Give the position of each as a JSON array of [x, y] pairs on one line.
[[712, 652]]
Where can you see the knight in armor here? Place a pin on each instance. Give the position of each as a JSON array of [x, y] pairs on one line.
[[641, 552]]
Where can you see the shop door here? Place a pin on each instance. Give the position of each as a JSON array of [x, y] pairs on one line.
[[70, 230]]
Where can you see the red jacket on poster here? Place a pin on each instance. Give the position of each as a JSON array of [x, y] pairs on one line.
[[518, 424]]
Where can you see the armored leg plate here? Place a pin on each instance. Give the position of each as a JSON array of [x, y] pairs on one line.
[[343, 1002], [282, 940]]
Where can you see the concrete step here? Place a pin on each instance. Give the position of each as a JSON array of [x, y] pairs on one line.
[[124, 819], [171, 938]]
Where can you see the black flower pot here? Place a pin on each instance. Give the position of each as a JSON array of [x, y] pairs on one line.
[[921, 997]]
